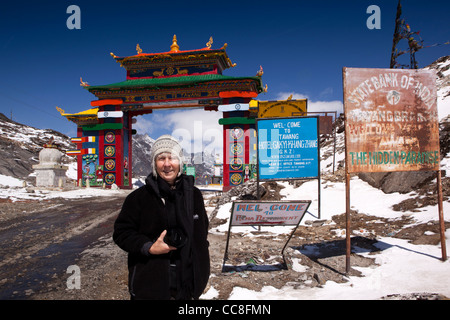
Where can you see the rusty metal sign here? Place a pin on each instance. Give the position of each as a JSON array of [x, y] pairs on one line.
[[325, 120], [391, 120], [326, 125]]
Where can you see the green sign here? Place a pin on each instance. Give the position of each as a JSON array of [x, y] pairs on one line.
[[190, 171]]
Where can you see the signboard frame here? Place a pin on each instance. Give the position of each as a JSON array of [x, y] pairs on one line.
[[281, 121], [367, 92], [254, 206], [303, 177], [277, 108], [391, 120], [326, 128]]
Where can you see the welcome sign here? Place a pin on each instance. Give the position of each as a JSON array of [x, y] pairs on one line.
[[391, 120], [267, 213], [288, 148]]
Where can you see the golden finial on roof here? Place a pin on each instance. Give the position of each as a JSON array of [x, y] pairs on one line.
[[289, 98], [209, 43], [83, 84], [174, 47], [138, 49], [260, 72], [60, 110], [113, 55], [231, 64]]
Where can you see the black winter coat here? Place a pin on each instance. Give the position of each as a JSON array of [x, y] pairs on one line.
[[142, 220]]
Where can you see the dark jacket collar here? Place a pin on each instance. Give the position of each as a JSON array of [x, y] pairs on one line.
[[152, 184]]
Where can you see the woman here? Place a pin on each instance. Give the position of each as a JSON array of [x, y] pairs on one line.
[[163, 226]]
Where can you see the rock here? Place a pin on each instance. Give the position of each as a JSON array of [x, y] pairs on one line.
[[318, 279], [402, 182], [316, 223]]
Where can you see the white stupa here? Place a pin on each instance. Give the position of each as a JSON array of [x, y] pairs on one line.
[[50, 172]]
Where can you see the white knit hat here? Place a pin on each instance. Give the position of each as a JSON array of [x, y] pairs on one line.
[[166, 143]]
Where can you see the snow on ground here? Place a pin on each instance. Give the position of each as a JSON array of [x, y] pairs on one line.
[[18, 190], [401, 268], [8, 181], [22, 194]]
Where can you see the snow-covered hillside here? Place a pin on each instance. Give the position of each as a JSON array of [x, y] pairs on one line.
[[20, 145], [442, 67]]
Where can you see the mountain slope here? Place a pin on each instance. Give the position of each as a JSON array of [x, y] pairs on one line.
[[141, 162], [20, 145], [142, 144], [442, 67]]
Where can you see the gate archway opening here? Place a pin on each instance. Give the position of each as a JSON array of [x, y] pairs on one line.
[[176, 79]]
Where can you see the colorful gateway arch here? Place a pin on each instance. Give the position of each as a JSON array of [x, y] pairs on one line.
[[166, 80]]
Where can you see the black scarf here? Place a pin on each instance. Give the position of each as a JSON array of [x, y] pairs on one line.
[[177, 217]]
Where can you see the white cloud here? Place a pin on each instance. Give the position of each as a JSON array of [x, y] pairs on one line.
[[326, 92], [295, 95], [317, 106], [197, 130], [143, 125]]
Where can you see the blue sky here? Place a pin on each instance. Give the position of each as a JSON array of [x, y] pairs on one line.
[[302, 46]]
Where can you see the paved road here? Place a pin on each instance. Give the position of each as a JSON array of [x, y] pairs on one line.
[[37, 246]]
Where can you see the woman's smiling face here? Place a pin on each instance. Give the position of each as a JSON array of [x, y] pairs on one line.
[[167, 167]]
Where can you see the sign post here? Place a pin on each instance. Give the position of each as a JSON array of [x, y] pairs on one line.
[[391, 124], [266, 213]]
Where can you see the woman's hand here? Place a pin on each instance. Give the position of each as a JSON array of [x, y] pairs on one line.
[[160, 247]]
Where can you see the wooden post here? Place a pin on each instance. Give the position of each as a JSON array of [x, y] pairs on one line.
[[348, 244], [441, 216]]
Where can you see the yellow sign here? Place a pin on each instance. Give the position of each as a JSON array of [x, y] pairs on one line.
[[284, 108]]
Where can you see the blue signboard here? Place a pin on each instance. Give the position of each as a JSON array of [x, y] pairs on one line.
[[288, 148]]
